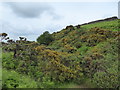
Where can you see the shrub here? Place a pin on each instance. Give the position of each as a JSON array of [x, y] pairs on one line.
[[78, 44], [7, 61], [12, 79], [107, 79], [46, 38]]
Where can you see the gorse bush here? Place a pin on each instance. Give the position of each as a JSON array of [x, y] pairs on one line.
[[108, 79], [89, 52], [103, 67]]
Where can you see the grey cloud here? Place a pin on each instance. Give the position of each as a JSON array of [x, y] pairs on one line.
[[30, 9], [14, 31], [55, 16]]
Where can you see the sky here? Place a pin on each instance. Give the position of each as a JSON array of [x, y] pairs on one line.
[[31, 19]]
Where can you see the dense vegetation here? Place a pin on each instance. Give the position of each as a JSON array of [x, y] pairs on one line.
[[77, 55], [46, 38]]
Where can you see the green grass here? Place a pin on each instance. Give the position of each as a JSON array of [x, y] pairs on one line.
[[0, 77], [68, 85], [7, 55], [7, 60], [84, 49], [87, 84], [12, 79], [111, 25]]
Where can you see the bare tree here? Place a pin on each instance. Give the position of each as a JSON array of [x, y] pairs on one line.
[[2, 36], [23, 38]]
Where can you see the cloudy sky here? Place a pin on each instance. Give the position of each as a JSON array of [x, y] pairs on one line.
[[30, 19]]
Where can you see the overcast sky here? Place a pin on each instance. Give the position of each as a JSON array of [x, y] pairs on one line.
[[30, 19]]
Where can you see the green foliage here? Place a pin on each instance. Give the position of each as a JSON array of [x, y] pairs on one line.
[[68, 85], [48, 63], [78, 44], [7, 61], [102, 64], [74, 55], [107, 79], [56, 65], [12, 79], [107, 72], [0, 77], [46, 38], [47, 83], [84, 49], [111, 25]]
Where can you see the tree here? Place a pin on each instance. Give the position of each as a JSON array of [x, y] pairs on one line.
[[46, 38], [23, 38], [2, 36]]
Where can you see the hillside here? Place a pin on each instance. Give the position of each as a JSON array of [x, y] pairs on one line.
[[79, 55], [75, 35]]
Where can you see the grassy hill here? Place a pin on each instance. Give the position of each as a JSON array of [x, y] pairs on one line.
[[81, 36], [78, 56]]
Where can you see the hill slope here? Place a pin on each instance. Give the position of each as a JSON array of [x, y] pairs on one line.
[[83, 54], [96, 32]]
